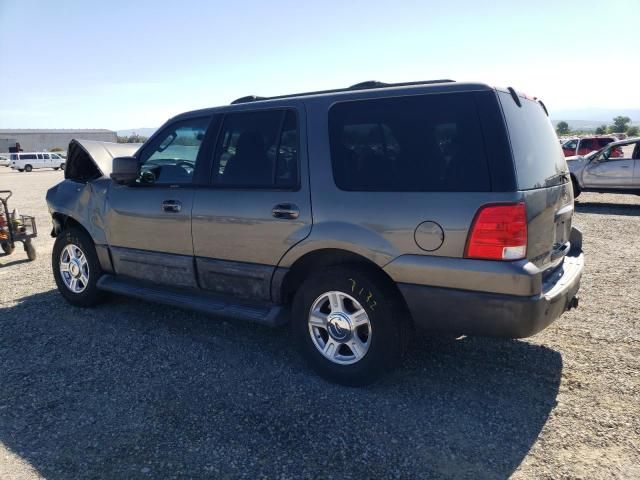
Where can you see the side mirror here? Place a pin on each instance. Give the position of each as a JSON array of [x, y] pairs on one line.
[[125, 170]]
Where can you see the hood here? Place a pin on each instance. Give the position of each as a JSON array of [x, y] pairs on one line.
[[94, 159]]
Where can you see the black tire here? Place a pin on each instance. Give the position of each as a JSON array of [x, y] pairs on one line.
[[21, 169], [62, 165], [30, 250], [576, 188], [385, 313], [56, 168], [7, 248], [28, 168], [90, 296]]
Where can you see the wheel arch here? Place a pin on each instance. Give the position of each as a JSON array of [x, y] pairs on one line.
[[321, 259], [62, 222]]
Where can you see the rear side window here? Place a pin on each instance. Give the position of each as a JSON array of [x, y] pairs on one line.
[[415, 143], [588, 144], [258, 150], [603, 142], [27, 156], [538, 157]]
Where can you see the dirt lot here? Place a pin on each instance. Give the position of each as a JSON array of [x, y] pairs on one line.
[[138, 390]]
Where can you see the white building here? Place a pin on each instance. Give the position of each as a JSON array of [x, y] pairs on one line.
[[35, 140]]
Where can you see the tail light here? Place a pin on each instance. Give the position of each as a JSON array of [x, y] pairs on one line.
[[499, 232]]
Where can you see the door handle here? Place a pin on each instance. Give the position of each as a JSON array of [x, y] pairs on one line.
[[172, 206], [285, 210]]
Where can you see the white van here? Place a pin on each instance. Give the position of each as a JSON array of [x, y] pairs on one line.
[[25, 162]]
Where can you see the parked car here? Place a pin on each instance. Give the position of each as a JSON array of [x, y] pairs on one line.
[[355, 214], [582, 146], [600, 171], [5, 161], [28, 161]]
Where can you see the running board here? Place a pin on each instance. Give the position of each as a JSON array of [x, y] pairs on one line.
[[270, 315]]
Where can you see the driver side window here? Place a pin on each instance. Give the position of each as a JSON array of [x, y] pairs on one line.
[[171, 157]]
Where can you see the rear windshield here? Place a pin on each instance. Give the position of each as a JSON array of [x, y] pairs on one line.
[[413, 143], [538, 156]]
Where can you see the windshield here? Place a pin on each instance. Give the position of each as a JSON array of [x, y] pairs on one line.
[[538, 156]]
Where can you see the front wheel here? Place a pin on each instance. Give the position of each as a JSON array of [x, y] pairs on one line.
[[62, 166], [76, 268], [576, 188], [30, 250], [347, 322]]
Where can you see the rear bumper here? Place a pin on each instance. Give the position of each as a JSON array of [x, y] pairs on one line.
[[494, 314]]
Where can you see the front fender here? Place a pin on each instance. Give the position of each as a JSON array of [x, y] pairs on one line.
[[83, 202]]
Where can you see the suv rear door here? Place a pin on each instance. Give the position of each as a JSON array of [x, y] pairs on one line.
[[148, 224], [256, 205], [542, 175]]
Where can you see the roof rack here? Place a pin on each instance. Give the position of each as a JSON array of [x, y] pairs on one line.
[[248, 98], [358, 86]]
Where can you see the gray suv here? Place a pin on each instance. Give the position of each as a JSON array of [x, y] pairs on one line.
[[355, 215]]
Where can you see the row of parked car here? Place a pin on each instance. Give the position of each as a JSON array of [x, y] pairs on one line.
[[584, 145]]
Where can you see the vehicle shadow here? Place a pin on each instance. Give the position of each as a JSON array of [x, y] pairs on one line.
[[130, 389], [5, 263], [608, 208]]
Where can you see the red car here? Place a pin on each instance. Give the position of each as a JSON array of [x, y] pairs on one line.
[[582, 146]]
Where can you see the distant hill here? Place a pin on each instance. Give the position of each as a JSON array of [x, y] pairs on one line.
[[144, 132], [592, 118]]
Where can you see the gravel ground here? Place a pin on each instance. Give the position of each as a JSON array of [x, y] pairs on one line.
[[135, 390]]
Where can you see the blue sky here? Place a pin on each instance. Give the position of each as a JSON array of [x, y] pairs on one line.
[[118, 65]]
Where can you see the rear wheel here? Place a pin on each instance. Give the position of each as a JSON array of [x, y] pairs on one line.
[[7, 248], [28, 168], [347, 323], [76, 268]]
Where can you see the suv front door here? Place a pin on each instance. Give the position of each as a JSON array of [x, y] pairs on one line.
[[148, 224], [257, 204], [605, 171]]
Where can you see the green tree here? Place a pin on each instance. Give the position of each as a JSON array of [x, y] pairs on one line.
[[633, 131], [562, 128], [601, 130], [135, 138], [620, 124]]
